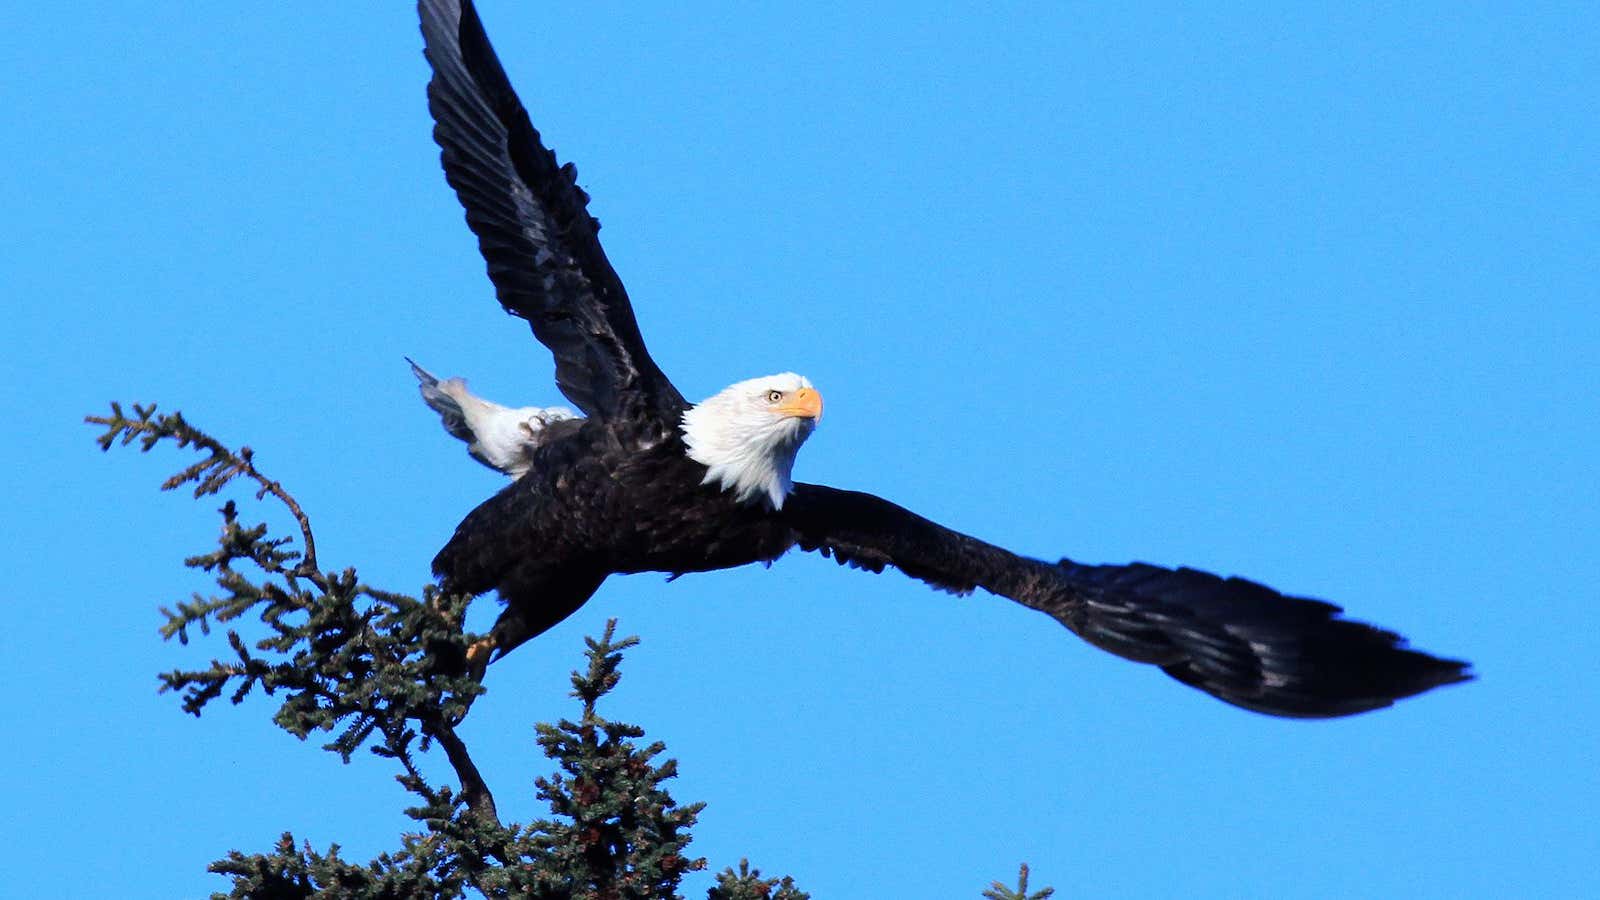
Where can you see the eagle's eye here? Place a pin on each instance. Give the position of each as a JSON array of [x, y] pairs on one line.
[[774, 396]]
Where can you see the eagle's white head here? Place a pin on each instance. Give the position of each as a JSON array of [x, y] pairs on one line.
[[747, 436]]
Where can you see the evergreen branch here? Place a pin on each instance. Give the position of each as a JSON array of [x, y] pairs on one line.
[[387, 671], [209, 475], [421, 869], [347, 656], [747, 884], [474, 790], [1000, 892], [618, 833]]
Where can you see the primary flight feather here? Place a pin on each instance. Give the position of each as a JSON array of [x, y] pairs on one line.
[[644, 481]]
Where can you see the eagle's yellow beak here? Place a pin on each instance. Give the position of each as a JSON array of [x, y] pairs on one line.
[[805, 403]]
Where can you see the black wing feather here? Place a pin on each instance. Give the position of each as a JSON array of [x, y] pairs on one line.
[[1237, 640], [533, 226]]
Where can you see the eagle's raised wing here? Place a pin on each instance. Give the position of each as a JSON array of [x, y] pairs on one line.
[[1238, 641], [534, 228]]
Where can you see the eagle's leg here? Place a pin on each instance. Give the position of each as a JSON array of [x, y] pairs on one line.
[[531, 611], [479, 653]]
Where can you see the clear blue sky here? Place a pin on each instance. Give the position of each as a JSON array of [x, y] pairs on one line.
[[1308, 297]]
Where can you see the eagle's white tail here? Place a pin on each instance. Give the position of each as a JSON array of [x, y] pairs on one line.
[[498, 436]]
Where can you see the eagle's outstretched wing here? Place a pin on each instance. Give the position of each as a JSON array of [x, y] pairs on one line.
[[1238, 641], [534, 228]]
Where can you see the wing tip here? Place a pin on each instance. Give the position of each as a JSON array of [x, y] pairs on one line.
[[1245, 643]]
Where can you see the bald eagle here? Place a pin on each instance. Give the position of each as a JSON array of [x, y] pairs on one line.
[[643, 481]]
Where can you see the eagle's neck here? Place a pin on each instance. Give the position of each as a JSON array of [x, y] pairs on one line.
[[747, 450]]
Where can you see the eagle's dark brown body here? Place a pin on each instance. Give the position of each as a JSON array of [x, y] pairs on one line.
[[597, 502], [618, 493]]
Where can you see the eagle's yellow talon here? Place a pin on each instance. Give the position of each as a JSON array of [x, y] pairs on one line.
[[478, 655]]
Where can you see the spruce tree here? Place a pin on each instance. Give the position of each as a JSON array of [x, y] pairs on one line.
[[375, 669]]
